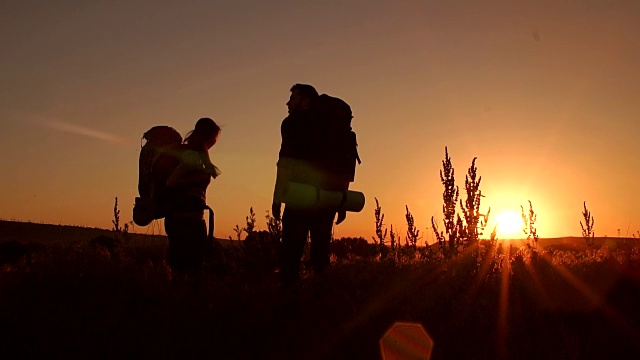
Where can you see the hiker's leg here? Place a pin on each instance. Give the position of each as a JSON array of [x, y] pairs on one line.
[[195, 245], [176, 230], [187, 243], [321, 228], [294, 238]]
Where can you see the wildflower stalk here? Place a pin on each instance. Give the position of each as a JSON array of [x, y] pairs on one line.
[[116, 218], [381, 233], [448, 239], [251, 222], [413, 234], [274, 226], [474, 220], [394, 240], [529, 226], [587, 228]]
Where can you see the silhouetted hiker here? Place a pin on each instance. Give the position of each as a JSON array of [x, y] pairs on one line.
[[305, 158], [186, 189]]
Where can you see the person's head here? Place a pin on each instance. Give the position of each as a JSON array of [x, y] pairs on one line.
[[204, 135], [301, 97]]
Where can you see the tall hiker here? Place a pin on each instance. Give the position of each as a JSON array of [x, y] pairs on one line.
[[309, 157]]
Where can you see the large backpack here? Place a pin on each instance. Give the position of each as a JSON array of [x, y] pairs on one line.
[[158, 158], [338, 139]]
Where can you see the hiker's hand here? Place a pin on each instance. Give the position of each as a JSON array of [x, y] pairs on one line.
[[275, 210], [341, 216]]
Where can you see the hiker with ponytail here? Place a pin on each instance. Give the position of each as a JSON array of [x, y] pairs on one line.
[[186, 192]]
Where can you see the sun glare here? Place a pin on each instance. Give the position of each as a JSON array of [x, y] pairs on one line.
[[509, 225]]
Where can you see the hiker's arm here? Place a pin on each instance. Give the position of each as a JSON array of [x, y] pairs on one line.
[[188, 172], [283, 174], [212, 171], [279, 190]]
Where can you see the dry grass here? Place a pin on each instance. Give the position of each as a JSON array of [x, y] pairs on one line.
[[478, 299], [75, 300]]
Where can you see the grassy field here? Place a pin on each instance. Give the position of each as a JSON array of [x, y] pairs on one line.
[[69, 299]]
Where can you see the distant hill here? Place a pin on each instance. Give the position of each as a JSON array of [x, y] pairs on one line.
[[578, 243], [48, 233], [26, 232]]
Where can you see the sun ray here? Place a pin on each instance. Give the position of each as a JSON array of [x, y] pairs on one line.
[[576, 283], [538, 283], [629, 329], [481, 276], [503, 308]]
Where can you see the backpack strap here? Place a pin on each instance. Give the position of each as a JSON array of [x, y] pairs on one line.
[[210, 234], [358, 156]]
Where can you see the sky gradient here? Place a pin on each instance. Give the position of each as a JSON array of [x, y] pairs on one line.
[[543, 93]]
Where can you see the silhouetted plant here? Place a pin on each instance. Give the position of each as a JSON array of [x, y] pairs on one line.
[[238, 230], [251, 222], [381, 232], [460, 232], [394, 240], [110, 245], [249, 228], [529, 226], [450, 201], [346, 248], [587, 228], [116, 217], [260, 251], [274, 226], [438, 234], [413, 234], [475, 222], [119, 233], [490, 252], [12, 252]]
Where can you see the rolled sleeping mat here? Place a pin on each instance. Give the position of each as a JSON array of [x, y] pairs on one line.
[[304, 196]]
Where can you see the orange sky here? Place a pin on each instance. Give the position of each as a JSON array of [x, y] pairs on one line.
[[542, 92]]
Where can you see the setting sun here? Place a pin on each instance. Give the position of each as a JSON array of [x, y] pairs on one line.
[[509, 225]]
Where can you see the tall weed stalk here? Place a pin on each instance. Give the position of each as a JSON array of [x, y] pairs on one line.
[[587, 228], [448, 240], [381, 231], [475, 222], [413, 234], [529, 220]]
